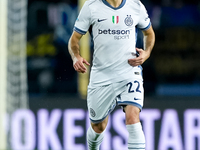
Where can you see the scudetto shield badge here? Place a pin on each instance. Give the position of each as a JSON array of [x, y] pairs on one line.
[[128, 20]]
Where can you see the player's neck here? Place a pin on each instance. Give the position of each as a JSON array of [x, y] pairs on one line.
[[114, 3]]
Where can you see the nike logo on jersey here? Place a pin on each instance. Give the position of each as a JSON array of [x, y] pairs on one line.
[[101, 20]]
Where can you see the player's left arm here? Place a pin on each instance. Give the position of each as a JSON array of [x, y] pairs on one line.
[[144, 54]]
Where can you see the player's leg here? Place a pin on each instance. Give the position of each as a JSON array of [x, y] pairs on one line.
[[136, 139], [100, 101], [132, 97], [95, 134]]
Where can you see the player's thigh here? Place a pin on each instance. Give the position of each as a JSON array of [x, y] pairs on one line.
[[100, 101]]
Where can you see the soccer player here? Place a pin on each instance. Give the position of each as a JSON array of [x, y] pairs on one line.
[[116, 74]]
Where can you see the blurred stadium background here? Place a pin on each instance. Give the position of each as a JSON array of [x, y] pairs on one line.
[[42, 98]]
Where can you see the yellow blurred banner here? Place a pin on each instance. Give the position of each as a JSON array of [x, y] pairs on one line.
[[83, 79]]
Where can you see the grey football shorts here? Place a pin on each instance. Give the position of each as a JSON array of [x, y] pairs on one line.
[[101, 100]]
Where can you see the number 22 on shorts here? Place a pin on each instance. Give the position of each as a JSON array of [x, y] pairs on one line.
[[130, 84]]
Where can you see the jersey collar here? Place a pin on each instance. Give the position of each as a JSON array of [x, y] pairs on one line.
[[120, 6]]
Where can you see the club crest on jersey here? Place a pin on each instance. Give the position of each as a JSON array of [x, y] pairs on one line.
[[128, 20], [115, 19], [92, 112]]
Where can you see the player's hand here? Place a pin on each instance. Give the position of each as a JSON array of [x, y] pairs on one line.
[[143, 56], [78, 63]]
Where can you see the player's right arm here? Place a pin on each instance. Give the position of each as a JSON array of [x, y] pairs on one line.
[[73, 48], [81, 26]]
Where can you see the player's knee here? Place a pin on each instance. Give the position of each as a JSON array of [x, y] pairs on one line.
[[132, 114], [99, 128], [132, 120]]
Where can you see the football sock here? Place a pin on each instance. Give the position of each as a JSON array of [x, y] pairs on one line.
[[136, 139], [94, 139]]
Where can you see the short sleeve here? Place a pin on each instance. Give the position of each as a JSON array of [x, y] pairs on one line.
[[144, 20], [82, 23]]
